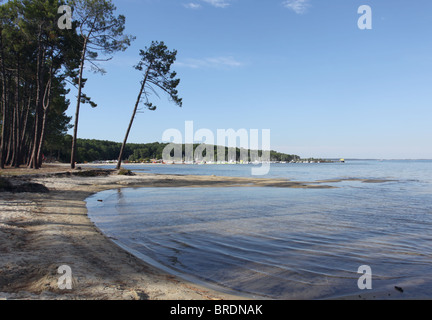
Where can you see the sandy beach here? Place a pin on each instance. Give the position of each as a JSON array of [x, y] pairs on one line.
[[41, 231]]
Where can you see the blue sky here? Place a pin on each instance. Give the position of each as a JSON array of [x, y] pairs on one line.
[[301, 68]]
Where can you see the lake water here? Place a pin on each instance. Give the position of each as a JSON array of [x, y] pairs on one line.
[[284, 243]]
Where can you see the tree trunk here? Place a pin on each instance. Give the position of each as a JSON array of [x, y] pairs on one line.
[[39, 158], [131, 120], [38, 112], [24, 122], [4, 105], [3, 131], [46, 101], [14, 135], [16, 124], [74, 139]]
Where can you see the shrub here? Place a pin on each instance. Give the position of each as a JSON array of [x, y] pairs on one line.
[[125, 172]]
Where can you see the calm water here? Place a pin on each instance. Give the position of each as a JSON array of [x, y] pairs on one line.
[[284, 243]]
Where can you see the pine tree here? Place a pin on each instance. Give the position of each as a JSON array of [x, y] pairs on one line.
[[155, 63], [101, 32]]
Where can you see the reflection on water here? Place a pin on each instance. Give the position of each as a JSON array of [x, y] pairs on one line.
[[284, 243]]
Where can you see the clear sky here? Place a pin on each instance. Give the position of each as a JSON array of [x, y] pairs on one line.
[[301, 68]]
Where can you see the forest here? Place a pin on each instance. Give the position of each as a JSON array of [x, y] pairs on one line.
[[35, 60], [91, 150], [41, 60]]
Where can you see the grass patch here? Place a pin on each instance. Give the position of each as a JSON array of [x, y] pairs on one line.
[[92, 173], [125, 172]]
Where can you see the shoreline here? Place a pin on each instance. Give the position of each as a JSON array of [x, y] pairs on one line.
[[40, 232]]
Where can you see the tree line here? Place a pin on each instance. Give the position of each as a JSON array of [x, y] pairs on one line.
[[35, 60], [90, 150]]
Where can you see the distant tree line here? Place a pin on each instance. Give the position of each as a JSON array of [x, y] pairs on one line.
[[101, 150]]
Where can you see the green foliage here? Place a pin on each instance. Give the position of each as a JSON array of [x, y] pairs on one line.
[[36, 59], [125, 172], [91, 173], [156, 61], [97, 22], [101, 150], [277, 156]]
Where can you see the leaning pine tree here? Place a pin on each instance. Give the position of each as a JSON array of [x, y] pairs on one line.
[[155, 64], [100, 31]]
